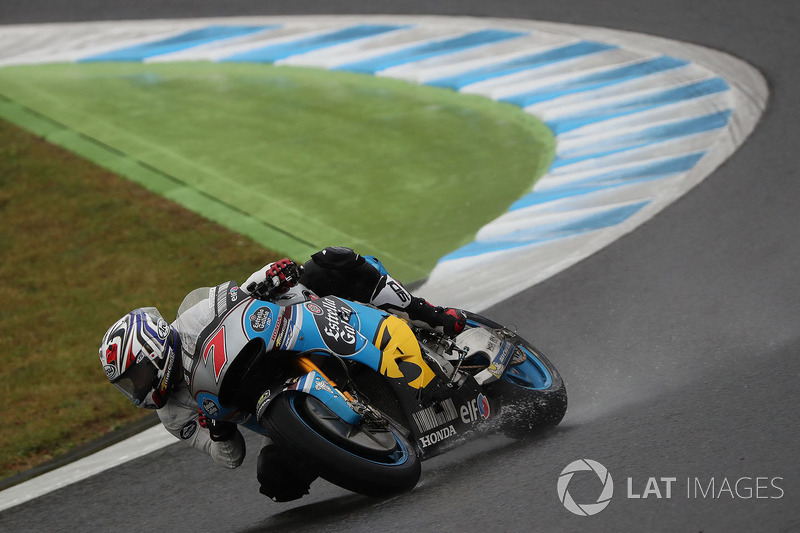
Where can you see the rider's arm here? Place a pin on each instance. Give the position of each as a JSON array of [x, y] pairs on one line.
[[342, 272], [180, 416]]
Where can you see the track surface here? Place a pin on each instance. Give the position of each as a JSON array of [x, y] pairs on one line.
[[679, 343]]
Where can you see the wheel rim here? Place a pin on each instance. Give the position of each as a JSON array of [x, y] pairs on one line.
[[382, 447], [529, 374]]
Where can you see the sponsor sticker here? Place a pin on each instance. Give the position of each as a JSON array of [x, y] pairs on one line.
[[314, 308], [262, 404], [280, 332], [188, 429], [437, 436], [210, 406], [111, 371], [475, 410], [163, 329], [260, 319], [483, 406], [166, 381], [321, 384], [501, 360], [278, 322], [337, 334]]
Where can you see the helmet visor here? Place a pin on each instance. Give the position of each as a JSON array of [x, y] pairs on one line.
[[138, 381]]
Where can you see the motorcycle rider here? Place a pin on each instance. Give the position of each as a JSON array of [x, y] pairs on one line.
[[142, 354]]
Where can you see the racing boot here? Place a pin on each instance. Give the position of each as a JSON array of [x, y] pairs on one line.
[[451, 321]]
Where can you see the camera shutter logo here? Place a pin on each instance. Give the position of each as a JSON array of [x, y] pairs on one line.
[[586, 509]]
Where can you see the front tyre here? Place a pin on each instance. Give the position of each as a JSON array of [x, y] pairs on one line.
[[375, 462], [533, 393], [527, 405]]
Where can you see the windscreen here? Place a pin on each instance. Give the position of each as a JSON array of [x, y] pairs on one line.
[[194, 314]]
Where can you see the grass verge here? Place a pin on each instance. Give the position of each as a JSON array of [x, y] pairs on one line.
[[81, 247]]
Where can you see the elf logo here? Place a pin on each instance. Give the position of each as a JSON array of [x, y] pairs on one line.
[[475, 410]]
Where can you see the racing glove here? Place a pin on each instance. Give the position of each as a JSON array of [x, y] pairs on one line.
[[218, 430], [277, 278], [453, 321]]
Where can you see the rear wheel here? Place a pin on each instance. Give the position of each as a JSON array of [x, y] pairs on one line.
[[373, 461]]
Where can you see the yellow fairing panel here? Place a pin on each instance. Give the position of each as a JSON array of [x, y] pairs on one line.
[[400, 354]]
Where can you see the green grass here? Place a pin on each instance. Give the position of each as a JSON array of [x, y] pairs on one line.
[[80, 248], [405, 172]]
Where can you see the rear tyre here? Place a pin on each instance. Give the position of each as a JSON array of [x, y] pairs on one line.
[[371, 461]]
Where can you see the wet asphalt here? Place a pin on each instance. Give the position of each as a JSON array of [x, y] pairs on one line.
[[679, 343]]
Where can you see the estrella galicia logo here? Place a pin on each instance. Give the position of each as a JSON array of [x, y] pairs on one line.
[[585, 509], [260, 319], [337, 334], [210, 406]]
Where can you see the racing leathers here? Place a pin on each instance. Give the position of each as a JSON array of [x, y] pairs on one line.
[[180, 415]]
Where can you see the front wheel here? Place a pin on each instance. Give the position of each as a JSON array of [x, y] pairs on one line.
[[533, 393], [370, 461]]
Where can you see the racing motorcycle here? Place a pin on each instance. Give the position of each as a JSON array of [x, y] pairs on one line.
[[360, 394]]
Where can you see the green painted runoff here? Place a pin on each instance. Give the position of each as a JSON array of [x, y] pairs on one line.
[[295, 158]]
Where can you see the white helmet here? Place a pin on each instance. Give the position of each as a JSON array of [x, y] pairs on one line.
[[139, 354]]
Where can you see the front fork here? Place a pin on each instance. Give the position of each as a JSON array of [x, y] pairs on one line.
[[315, 383]]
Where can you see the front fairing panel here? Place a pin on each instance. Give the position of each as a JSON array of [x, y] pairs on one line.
[[345, 328]]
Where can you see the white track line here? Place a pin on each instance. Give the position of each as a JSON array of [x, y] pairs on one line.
[[145, 442]]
